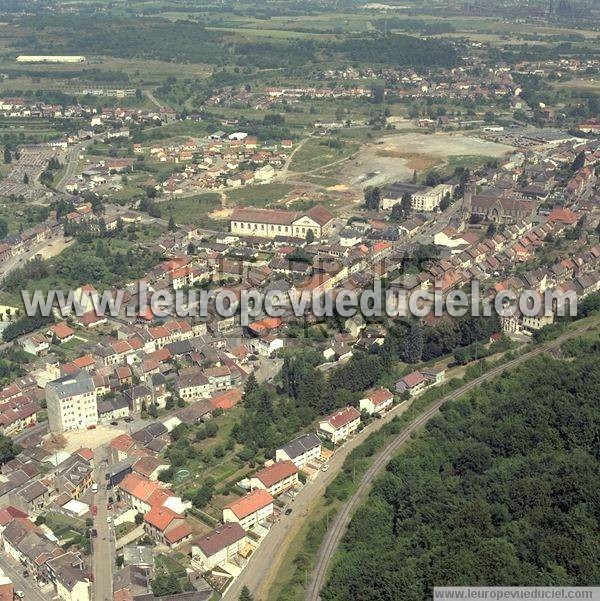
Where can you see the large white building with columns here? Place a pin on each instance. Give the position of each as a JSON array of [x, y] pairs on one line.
[[269, 223]]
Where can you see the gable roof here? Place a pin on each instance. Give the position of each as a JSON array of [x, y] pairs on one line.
[[343, 417], [251, 503], [220, 538], [379, 396], [300, 445], [276, 473]]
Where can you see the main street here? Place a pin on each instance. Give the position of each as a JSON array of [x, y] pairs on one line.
[[14, 570], [103, 548], [265, 563]]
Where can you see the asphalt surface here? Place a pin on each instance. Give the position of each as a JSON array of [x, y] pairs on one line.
[[264, 560], [103, 547], [14, 570], [342, 518]]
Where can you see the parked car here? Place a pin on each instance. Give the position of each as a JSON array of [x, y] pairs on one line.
[[94, 510], [114, 423], [324, 467], [288, 511], [128, 419], [94, 533], [19, 594]]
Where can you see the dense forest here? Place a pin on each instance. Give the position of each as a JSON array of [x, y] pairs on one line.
[[501, 489], [186, 41]]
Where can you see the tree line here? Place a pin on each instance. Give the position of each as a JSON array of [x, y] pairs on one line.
[[500, 490]]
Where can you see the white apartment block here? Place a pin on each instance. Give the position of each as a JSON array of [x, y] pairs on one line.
[[72, 403], [430, 199]]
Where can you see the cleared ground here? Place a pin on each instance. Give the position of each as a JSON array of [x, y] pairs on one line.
[[397, 156]]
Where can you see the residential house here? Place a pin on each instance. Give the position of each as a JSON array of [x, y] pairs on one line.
[[276, 478], [413, 383], [251, 510], [219, 546], [340, 425], [302, 450], [377, 401]]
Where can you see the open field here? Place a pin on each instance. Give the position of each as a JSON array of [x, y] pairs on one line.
[[192, 210], [395, 157], [258, 195]]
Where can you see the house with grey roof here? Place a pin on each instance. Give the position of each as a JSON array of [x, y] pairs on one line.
[[302, 450]]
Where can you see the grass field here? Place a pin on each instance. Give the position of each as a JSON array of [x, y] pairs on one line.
[[258, 196], [192, 210]]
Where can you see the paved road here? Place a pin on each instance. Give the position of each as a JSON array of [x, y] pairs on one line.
[[103, 547], [31, 434], [14, 570], [153, 99], [343, 517], [73, 160], [11, 263], [264, 561]]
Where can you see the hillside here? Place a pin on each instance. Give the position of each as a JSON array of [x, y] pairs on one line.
[[502, 489]]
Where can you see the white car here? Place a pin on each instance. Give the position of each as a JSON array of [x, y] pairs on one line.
[[108, 519], [19, 594], [324, 467]]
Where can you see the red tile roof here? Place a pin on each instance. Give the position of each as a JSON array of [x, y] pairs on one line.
[[411, 380], [138, 487], [62, 330], [123, 442], [161, 517], [276, 473], [379, 396], [343, 416], [251, 503], [178, 533]]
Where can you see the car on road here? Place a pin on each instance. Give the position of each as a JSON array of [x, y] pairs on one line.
[[108, 519], [25, 573], [95, 487], [114, 423], [109, 506], [128, 419], [288, 511], [19, 594], [94, 510], [324, 467], [94, 533]]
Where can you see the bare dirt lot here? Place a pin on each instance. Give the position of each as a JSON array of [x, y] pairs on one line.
[[92, 439], [395, 157]]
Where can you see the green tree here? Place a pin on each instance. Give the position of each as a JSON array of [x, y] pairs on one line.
[[578, 162], [7, 155], [172, 226], [413, 345], [377, 93], [3, 228], [165, 584], [310, 237], [372, 197], [245, 594], [8, 449], [251, 385]]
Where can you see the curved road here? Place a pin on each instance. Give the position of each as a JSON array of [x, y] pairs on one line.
[[342, 519]]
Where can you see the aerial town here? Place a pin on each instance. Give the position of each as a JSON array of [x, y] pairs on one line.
[[148, 453]]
